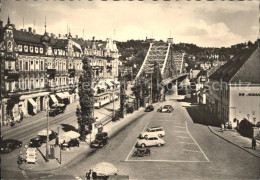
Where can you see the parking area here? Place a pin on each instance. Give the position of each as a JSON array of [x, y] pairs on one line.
[[179, 146]]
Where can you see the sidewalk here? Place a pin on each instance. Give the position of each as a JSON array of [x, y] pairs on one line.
[[233, 137], [36, 117], [72, 153]]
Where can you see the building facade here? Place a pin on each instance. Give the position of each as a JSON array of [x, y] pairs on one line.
[[38, 71], [235, 89]]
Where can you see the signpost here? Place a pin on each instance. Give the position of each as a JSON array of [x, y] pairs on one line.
[[31, 155]]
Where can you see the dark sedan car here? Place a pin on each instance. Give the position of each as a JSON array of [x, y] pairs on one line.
[[35, 142], [73, 143], [149, 108], [9, 145], [100, 140]]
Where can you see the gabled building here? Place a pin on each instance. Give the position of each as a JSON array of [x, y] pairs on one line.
[[39, 71], [235, 88]]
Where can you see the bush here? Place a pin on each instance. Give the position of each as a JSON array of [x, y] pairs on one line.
[[246, 128]]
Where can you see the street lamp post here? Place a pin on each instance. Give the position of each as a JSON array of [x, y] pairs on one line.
[[114, 99], [47, 135], [151, 89]]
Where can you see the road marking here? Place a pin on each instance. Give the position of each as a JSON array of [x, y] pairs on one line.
[[183, 137], [77, 177], [172, 161], [190, 150], [196, 142], [179, 126], [187, 143], [24, 174], [135, 144], [180, 131]]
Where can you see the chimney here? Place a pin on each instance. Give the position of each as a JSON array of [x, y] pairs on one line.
[[66, 35], [1, 24], [52, 35], [25, 30], [93, 39], [21, 30], [34, 31], [29, 29], [77, 36]]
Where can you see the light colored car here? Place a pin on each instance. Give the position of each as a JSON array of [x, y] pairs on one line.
[[150, 141], [167, 108], [153, 132]]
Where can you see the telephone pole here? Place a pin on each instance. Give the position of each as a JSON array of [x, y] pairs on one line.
[[47, 135]]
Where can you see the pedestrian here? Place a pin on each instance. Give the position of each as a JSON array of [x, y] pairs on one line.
[[253, 143], [89, 175], [222, 127]]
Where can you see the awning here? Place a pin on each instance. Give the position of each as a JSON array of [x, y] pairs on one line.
[[54, 99], [34, 95], [101, 87], [61, 95], [109, 83], [33, 103], [117, 82], [66, 94]]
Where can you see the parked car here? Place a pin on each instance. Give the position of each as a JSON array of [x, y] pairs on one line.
[[52, 136], [39, 140], [166, 108], [35, 142], [150, 141], [159, 109], [58, 109], [9, 145], [73, 143], [153, 132], [101, 139], [149, 108]]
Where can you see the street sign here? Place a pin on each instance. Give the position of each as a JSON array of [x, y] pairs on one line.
[[31, 155]]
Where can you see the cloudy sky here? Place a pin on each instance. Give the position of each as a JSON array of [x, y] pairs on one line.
[[205, 23]]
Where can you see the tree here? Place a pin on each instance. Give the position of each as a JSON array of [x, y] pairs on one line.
[[156, 79], [84, 113], [122, 94]]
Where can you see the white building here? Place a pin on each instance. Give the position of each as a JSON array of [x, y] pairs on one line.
[[235, 88]]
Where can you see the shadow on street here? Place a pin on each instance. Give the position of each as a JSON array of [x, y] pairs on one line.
[[67, 127], [202, 117]]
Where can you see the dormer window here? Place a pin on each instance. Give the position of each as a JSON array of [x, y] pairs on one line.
[[31, 49], [41, 50], [25, 48], [20, 48], [36, 49]]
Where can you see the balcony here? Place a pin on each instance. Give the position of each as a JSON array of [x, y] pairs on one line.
[[71, 72], [12, 75], [51, 73]]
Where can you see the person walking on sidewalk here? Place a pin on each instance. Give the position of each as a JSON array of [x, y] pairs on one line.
[[253, 143]]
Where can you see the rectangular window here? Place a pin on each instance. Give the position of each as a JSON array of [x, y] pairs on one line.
[[42, 67], [21, 65], [37, 65], [26, 66], [31, 65]]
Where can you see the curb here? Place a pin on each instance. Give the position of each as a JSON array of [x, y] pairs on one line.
[[232, 142], [113, 133]]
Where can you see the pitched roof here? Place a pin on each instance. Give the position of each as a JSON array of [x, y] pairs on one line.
[[27, 37], [244, 67], [60, 43]]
